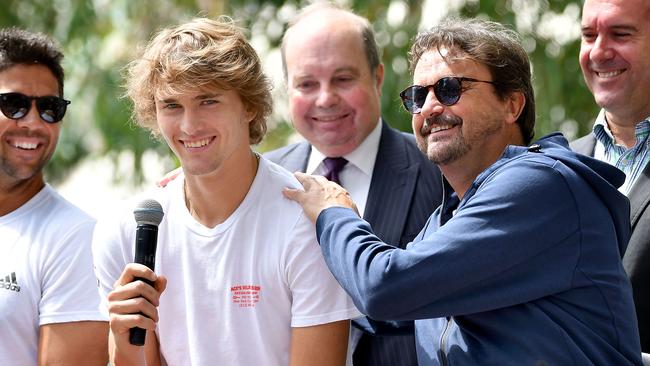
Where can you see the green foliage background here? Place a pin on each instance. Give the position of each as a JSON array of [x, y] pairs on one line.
[[100, 37]]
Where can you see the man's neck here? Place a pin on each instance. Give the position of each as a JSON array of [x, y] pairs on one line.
[[15, 194], [623, 128], [212, 198], [461, 173]]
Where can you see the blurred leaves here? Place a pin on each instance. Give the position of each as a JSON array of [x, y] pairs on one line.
[[100, 37]]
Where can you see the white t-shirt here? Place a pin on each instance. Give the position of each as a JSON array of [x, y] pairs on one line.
[[46, 273], [234, 291]]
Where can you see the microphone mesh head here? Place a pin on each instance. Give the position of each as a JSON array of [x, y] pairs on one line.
[[148, 212]]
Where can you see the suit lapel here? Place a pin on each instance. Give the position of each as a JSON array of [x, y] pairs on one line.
[[585, 145], [391, 188], [640, 195], [296, 159]]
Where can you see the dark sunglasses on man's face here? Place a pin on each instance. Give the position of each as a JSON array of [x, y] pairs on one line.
[[17, 105], [447, 90]]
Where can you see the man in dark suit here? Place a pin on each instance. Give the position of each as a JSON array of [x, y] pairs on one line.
[[334, 78], [615, 61]]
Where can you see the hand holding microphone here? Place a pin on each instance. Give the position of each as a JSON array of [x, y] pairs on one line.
[[148, 215], [133, 301]]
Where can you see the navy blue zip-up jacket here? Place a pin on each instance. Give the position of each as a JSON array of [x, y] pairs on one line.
[[524, 270]]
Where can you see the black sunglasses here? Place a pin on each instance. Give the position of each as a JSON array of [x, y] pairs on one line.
[[17, 105], [447, 90]]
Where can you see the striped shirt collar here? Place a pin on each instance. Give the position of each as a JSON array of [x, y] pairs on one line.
[[631, 161]]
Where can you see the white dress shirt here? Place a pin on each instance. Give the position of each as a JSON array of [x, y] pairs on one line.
[[357, 173], [355, 178]]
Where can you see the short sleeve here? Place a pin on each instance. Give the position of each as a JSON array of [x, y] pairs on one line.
[[69, 291], [109, 255], [316, 296]]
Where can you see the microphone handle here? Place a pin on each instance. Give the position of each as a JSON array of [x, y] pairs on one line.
[[146, 239]]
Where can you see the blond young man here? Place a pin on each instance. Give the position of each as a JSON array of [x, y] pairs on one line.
[[239, 278]]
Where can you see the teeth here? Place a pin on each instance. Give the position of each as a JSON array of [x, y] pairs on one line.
[[195, 144], [25, 145], [440, 128], [328, 118], [609, 74]]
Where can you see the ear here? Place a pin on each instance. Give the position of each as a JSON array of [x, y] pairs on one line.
[[379, 78], [249, 115], [514, 106]]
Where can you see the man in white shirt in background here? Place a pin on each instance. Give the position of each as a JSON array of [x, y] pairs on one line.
[[49, 304]]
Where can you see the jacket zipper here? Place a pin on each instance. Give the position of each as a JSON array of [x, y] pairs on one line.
[[443, 341]]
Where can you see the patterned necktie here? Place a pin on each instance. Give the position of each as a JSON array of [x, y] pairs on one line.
[[334, 167]]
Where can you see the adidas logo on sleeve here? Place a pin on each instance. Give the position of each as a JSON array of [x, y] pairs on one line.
[[9, 282]]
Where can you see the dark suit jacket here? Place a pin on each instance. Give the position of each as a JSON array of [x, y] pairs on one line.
[[405, 189], [636, 260]]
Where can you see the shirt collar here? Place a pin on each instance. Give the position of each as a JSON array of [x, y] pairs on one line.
[[601, 130], [606, 137], [363, 157]]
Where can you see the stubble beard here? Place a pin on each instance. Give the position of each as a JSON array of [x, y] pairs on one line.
[[440, 151], [444, 152], [20, 173]]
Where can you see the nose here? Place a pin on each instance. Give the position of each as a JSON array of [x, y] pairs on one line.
[[601, 50], [190, 122], [431, 105], [31, 119], [327, 97]]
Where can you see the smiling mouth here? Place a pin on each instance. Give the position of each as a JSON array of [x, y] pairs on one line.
[[26, 145], [440, 128], [609, 74], [428, 129], [330, 118], [197, 143]]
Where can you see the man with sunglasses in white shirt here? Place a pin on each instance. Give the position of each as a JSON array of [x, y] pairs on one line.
[[521, 264], [49, 302]]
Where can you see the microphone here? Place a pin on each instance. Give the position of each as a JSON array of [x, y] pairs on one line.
[[148, 215]]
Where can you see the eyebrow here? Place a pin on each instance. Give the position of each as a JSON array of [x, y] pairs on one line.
[[351, 69], [198, 97], [207, 96], [621, 27]]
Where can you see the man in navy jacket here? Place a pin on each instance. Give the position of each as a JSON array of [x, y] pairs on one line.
[[521, 264]]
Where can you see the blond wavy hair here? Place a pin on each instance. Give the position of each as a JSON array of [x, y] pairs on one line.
[[202, 54]]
